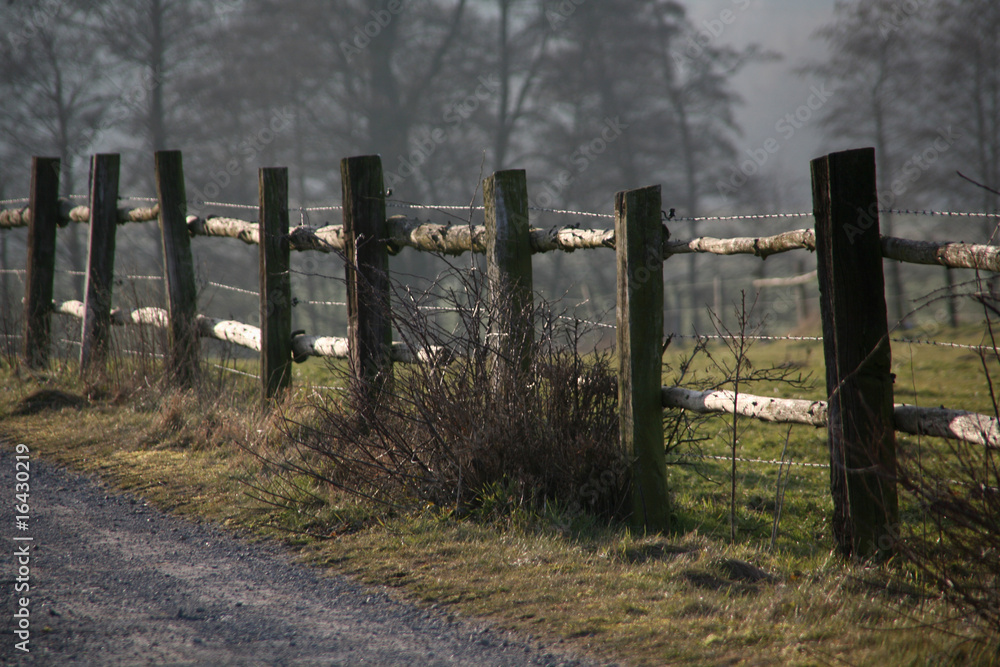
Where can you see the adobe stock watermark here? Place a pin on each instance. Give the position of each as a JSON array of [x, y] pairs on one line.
[[900, 13], [42, 14], [129, 101], [785, 127], [561, 13], [581, 159], [363, 34], [710, 30], [225, 9], [23, 542], [903, 179], [601, 486], [249, 148], [455, 114]]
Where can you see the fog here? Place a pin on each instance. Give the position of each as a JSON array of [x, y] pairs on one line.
[[722, 102]]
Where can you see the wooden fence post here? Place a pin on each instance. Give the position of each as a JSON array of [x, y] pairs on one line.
[[44, 207], [639, 255], [367, 270], [275, 283], [857, 353], [508, 270], [96, 329], [178, 267]]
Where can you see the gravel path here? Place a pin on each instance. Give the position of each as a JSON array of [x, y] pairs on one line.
[[115, 582]]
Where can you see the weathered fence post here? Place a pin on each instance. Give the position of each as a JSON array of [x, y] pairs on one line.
[[96, 329], [508, 270], [275, 283], [44, 207], [178, 267], [857, 353], [639, 254], [367, 270]]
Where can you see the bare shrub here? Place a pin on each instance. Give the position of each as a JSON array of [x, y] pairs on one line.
[[445, 431], [957, 491], [957, 549]]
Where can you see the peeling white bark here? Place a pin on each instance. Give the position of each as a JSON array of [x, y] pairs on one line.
[[940, 422]]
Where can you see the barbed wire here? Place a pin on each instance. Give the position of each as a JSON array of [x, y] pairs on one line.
[[118, 276], [442, 207], [8, 271], [747, 337], [296, 301], [231, 288], [446, 309], [790, 463], [939, 343], [908, 341], [233, 370], [144, 353], [766, 338], [333, 207], [749, 216], [746, 460], [323, 386], [963, 214], [703, 218], [250, 207], [130, 277], [603, 325], [565, 212], [402, 204], [466, 207]]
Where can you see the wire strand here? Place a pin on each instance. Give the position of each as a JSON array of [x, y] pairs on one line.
[[296, 302], [233, 370], [963, 214], [565, 212], [118, 276], [763, 461], [234, 289], [749, 216], [442, 207], [249, 207]]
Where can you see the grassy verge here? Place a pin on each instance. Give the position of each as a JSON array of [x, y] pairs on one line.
[[689, 598]]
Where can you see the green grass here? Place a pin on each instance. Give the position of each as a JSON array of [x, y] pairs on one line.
[[643, 600], [925, 375]]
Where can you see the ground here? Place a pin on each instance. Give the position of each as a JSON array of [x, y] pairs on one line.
[[114, 581]]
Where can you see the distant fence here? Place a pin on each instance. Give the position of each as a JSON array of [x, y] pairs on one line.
[[860, 415]]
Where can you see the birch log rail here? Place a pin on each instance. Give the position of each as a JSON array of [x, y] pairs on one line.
[[406, 232], [367, 237], [457, 239], [21, 217], [248, 336], [940, 422], [944, 253]]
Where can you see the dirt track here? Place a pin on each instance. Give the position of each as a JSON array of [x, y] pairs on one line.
[[115, 582]]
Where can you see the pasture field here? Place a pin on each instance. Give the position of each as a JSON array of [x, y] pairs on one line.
[[691, 597]]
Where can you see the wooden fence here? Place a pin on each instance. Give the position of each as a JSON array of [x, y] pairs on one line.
[[860, 415]]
